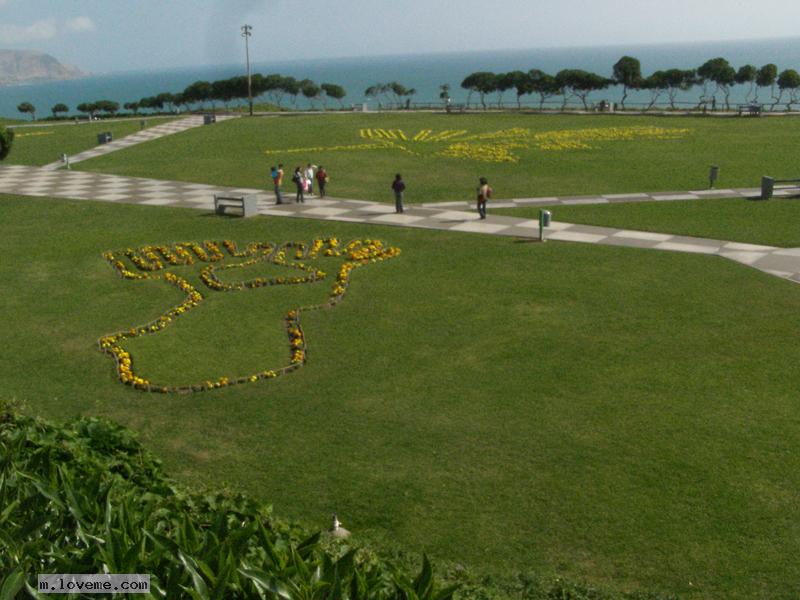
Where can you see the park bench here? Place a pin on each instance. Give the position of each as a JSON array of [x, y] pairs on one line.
[[451, 108], [768, 186], [247, 203], [749, 110]]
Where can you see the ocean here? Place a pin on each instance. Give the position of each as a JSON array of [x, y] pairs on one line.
[[425, 72]]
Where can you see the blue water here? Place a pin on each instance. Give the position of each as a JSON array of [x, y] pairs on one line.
[[423, 72]]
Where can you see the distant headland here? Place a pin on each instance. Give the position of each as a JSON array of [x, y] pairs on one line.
[[32, 66]]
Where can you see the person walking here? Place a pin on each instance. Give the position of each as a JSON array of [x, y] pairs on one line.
[[277, 180], [399, 186], [299, 181], [484, 193], [322, 179], [310, 178]]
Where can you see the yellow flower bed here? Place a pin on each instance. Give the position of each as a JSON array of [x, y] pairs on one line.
[[33, 133], [494, 146], [150, 262], [483, 152]]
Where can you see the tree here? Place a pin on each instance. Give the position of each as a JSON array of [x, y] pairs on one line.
[[482, 82], [789, 81], [6, 140], [178, 100], [586, 83], [27, 107], [502, 83], [223, 91], [151, 102], [88, 107], [656, 84], [628, 74], [334, 91], [273, 88], [310, 90], [59, 108], [576, 82], [134, 106], [107, 106], [542, 84], [721, 73], [564, 80], [292, 87], [376, 91], [767, 76], [523, 84], [747, 74], [168, 99], [444, 92], [676, 80], [199, 92]]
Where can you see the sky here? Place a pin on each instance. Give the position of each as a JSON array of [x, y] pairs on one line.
[[101, 36]]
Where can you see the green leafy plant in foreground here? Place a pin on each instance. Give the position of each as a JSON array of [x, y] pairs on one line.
[[6, 139], [87, 498]]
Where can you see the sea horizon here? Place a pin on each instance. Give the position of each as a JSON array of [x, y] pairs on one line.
[[425, 71]]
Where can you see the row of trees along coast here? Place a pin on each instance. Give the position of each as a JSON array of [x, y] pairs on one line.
[[715, 78]]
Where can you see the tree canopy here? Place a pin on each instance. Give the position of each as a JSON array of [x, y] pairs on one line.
[[27, 107]]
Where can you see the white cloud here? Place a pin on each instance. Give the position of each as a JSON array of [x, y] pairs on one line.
[[40, 30], [78, 24]]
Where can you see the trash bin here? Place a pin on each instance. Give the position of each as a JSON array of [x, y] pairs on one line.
[[713, 175], [767, 187]]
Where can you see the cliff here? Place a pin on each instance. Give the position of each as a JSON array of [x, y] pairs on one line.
[[29, 66]]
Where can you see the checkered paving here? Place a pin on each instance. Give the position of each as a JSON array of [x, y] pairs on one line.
[[34, 181], [616, 198], [146, 135]]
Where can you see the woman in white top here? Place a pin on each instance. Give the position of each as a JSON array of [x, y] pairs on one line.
[[309, 173]]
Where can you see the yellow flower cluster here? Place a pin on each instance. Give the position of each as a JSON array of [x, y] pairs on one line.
[[148, 260], [423, 135], [580, 139], [315, 149], [495, 146], [382, 134], [34, 133], [497, 153]]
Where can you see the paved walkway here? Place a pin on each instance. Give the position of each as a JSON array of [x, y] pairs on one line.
[[617, 198], [34, 181], [151, 133]]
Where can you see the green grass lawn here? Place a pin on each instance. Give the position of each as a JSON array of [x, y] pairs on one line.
[[233, 153], [44, 143], [622, 417], [775, 222]]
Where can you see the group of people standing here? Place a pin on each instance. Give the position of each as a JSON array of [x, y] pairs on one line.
[[303, 180]]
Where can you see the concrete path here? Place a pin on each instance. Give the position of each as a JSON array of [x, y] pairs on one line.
[[145, 135], [617, 198], [34, 181]]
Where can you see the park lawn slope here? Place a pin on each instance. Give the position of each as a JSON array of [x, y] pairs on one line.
[[772, 223], [42, 144], [643, 153], [621, 417]]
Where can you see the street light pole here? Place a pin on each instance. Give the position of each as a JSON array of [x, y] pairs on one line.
[[246, 33]]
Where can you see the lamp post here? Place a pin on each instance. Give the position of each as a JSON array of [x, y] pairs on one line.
[[246, 33]]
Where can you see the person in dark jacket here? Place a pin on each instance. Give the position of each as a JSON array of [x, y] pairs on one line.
[[398, 186], [299, 180]]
